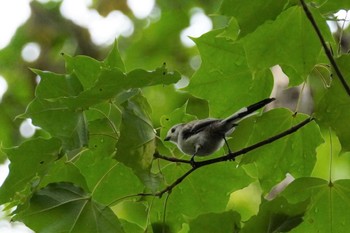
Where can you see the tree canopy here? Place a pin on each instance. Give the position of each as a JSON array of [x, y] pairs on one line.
[[98, 163]]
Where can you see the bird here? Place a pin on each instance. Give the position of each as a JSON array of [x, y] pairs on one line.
[[206, 136]]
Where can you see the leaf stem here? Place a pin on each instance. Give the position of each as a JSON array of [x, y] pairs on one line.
[[325, 47], [330, 155]]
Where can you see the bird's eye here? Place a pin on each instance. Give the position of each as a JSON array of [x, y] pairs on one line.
[[173, 130]]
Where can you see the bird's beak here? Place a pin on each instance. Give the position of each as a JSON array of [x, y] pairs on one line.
[[167, 139]]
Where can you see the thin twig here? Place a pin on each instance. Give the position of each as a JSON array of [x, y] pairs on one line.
[[175, 183], [170, 159], [325, 47]]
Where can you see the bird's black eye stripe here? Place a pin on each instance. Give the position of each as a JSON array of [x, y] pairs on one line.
[[173, 130]]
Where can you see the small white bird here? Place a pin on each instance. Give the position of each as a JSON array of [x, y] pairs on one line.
[[204, 137]]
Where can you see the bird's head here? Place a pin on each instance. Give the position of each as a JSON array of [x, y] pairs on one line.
[[173, 133]]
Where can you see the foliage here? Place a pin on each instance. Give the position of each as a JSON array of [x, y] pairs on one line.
[[95, 165]]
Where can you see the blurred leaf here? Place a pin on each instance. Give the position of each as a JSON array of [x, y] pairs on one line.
[[161, 35], [73, 208], [29, 163]]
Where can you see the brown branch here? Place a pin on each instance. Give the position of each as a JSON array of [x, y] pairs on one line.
[[325, 47]]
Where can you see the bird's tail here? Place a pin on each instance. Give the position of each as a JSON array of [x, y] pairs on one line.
[[247, 110]]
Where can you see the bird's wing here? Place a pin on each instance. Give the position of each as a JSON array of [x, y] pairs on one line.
[[197, 127]]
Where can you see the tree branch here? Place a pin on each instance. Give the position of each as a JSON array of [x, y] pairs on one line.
[[176, 182], [233, 155], [325, 47], [227, 157], [171, 159]]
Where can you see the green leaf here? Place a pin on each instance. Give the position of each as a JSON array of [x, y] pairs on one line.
[[207, 190], [231, 31], [329, 204], [216, 222], [106, 135], [294, 154], [112, 82], [104, 128], [53, 85], [103, 136], [246, 14], [276, 216], [135, 147], [86, 68], [331, 7], [134, 213], [61, 122], [108, 84], [332, 104], [165, 99], [108, 180], [140, 78], [64, 171], [300, 52], [113, 60], [224, 78], [29, 163], [63, 207]]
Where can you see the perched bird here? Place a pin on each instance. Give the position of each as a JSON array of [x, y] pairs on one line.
[[204, 137]]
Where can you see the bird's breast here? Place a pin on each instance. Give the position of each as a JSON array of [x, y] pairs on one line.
[[200, 145]]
